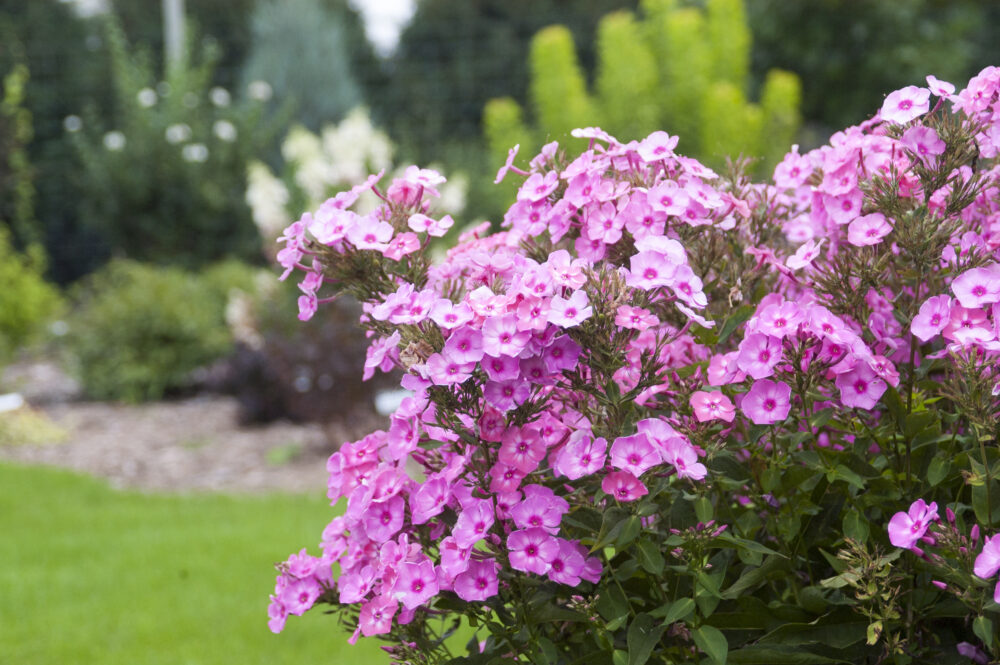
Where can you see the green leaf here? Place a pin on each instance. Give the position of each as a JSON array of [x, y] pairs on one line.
[[938, 470], [650, 557], [548, 649], [855, 526], [753, 576], [729, 326], [550, 612], [630, 529], [703, 509], [675, 611], [983, 628], [643, 635], [611, 526], [979, 503], [836, 635], [620, 657], [779, 656], [712, 643], [842, 472]]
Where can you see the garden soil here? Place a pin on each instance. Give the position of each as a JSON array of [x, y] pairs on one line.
[[190, 444]]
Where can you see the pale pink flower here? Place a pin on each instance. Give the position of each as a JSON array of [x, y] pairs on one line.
[[532, 550], [758, 355], [932, 318], [570, 312], [502, 173], [634, 454], [376, 615], [635, 318], [905, 529], [568, 564], [868, 230], [940, 88], [861, 387], [767, 402], [416, 583], [682, 455], [977, 287], [712, 406], [479, 581], [905, 104], [804, 255], [623, 486], [924, 142], [581, 456], [657, 146]]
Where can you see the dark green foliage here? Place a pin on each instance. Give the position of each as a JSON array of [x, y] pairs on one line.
[[455, 55], [161, 180], [850, 54], [138, 331], [313, 55]]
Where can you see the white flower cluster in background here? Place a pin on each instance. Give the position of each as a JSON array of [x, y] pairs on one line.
[[320, 166]]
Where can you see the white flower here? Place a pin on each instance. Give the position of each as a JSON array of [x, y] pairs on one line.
[[178, 133], [114, 141], [219, 96], [225, 130], [146, 97], [260, 90], [195, 152], [72, 123]]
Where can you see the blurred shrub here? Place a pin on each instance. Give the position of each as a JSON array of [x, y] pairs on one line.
[[314, 54], [27, 301], [681, 69], [851, 52], [138, 331], [164, 182]]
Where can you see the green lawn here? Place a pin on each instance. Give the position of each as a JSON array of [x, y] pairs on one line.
[[93, 575]]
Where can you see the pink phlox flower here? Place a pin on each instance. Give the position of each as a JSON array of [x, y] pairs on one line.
[[433, 227], [668, 198], [402, 245], [964, 322], [455, 560], [845, 208], [331, 223], [581, 456], [505, 477], [355, 583], [473, 522], [635, 454], [382, 520], [483, 302], [657, 146], [565, 270], [532, 550], [479, 581], [635, 318], [522, 448], [502, 338], [538, 186], [503, 368], [988, 563], [793, 170], [442, 371], [603, 223], [694, 316], [539, 510], [868, 230], [902, 106], [568, 564], [533, 314], [939, 87], [376, 615], [688, 287], [300, 595], [684, 458], [759, 354], [416, 583], [723, 369], [593, 133], [779, 320], [277, 615], [860, 387], [464, 345], [977, 287], [649, 270], [448, 315], [924, 142], [545, 155], [884, 368], [971, 651], [905, 529], [511, 155], [301, 565], [805, 254], [712, 406], [308, 304], [570, 312], [640, 219], [429, 499], [623, 486], [932, 318], [767, 402], [507, 395], [370, 233]]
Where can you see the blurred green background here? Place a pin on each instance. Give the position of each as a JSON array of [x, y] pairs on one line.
[[141, 193]]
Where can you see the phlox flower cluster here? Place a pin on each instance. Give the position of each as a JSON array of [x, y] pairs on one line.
[[635, 315]]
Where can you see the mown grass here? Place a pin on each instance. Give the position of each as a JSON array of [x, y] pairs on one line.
[[93, 575]]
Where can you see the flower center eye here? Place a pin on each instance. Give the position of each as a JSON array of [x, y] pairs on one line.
[[770, 405]]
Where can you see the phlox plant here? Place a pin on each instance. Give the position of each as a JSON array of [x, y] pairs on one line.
[[670, 415]]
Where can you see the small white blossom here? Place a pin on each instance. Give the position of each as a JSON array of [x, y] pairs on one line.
[[260, 90], [225, 130], [178, 133], [114, 141], [146, 97], [72, 123], [219, 96], [195, 152]]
